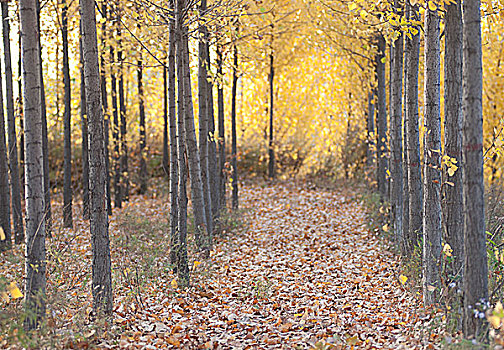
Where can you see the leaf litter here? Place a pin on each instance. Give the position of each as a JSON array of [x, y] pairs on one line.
[[303, 271]]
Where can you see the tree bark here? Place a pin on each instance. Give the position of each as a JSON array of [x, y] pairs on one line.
[[413, 139], [452, 195], [396, 146], [174, 155], [35, 263], [381, 119], [203, 235], [166, 154], [432, 162], [124, 180], [67, 158], [115, 134], [85, 141], [203, 117], [212, 147], [370, 129], [5, 223], [405, 190], [271, 79], [222, 135], [17, 214], [143, 136], [476, 267], [234, 161], [45, 141], [102, 281]]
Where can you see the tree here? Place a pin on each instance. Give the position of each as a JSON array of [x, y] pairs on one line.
[[67, 158], [452, 194], [5, 223], [381, 117], [475, 254], [115, 130], [271, 79], [123, 157], [203, 116], [222, 135], [234, 153], [35, 263], [166, 152], [432, 162], [143, 137], [17, 215], [412, 136], [370, 128], [102, 280], [212, 147], [85, 138]]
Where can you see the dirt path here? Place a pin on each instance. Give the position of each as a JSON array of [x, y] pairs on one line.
[[304, 273]]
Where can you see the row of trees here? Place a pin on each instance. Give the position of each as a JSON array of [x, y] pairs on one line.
[[440, 200], [185, 157]]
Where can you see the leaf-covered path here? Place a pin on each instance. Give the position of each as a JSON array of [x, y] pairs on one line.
[[304, 273]]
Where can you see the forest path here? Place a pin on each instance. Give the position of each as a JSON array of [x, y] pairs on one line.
[[303, 273]]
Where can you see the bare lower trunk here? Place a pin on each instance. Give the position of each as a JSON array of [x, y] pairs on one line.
[[432, 163], [17, 215], [476, 266], [85, 144], [35, 281], [124, 182], [5, 223], [222, 135], [381, 119], [67, 158], [370, 129], [102, 281], [271, 79], [143, 136], [234, 153], [166, 154], [212, 147], [115, 136], [413, 139]]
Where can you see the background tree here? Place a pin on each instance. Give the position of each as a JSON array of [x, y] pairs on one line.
[[5, 222]]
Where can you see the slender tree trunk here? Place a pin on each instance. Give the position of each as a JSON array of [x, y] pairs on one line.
[[198, 203], [203, 118], [115, 135], [143, 136], [222, 134], [182, 265], [45, 141], [11, 123], [67, 158], [5, 223], [370, 129], [174, 156], [396, 141], [405, 190], [21, 116], [212, 147], [35, 282], [413, 139], [452, 194], [102, 281], [271, 79], [476, 267], [432, 162], [106, 114], [85, 141], [124, 181], [166, 154], [234, 162], [381, 119]]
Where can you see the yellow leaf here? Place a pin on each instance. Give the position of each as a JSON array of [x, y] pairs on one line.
[[385, 228], [495, 321], [432, 6], [174, 283], [196, 264], [403, 279], [14, 291], [2, 234], [352, 6], [4, 296], [447, 249]]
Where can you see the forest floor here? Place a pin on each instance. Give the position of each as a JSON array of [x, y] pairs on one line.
[[301, 269]]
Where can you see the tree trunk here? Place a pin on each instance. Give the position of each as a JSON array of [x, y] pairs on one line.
[[370, 129], [234, 161], [381, 119], [203, 117], [5, 223], [143, 137], [212, 147], [182, 265], [432, 162], [35, 282], [174, 156], [413, 139], [124, 180], [102, 281], [21, 117], [476, 268], [17, 214], [85, 141], [203, 236], [106, 125], [405, 191], [115, 135], [452, 195], [67, 158], [222, 134], [45, 141], [271, 77], [166, 156], [396, 148]]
